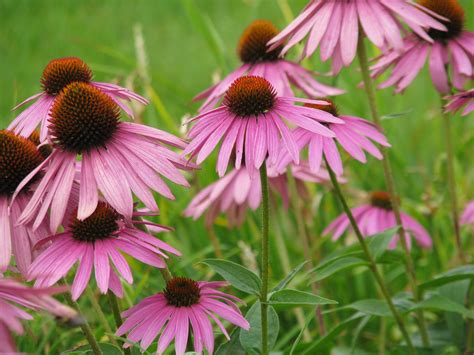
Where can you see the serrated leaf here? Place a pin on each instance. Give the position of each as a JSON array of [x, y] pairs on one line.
[[283, 283], [441, 303], [459, 273], [251, 340], [337, 266], [298, 298], [239, 276]]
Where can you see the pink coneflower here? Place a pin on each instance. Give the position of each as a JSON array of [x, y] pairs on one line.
[[236, 192], [281, 73], [58, 74], [463, 98], [354, 135], [467, 216], [183, 302], [92, 242], [118, 158], [18, 157], [250, 120], [333, 26], [453, 49], [13, 295], [376, 217]]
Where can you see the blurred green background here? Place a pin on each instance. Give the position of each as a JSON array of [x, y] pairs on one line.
[[186, 43]]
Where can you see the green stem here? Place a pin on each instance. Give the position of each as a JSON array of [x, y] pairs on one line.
[[100, 314], [265, 262], [370, 259], [452, 181], [390, 182], [118, 318], [166, 274], [85, 327]]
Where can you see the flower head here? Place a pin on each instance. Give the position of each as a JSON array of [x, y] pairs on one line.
[[463, 98], [14, 295], [449, 50], [57, 75], [92, 243], [235, 193], [257, 60], [333, 26], [467, 216], [355, 135], [377, 216], [184, 302], [250, 123], [18, 158], [117, 158]]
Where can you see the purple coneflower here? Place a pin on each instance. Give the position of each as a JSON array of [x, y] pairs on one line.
[[183, 302], [333, 26], [58, 74], [234, 193], [118, 159], [93, 242], [463, 98], [453, 49], [14, 294], [376, 217], [281, 73], [354, 135], [467, 216], [18, 157], [250, 122]]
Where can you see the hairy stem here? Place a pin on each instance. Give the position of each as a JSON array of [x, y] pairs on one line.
[[100, 314], [390, 183], [452, 181], [118, 318], [85, 327], [265, 260], [372, 264]]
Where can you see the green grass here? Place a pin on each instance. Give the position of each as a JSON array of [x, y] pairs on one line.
[[186, 43]]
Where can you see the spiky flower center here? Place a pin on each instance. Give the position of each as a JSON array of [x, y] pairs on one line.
[[330, 107], [182, 292], [82, 118], [101, 224], [18, 158], [450, 9], [252, 45], [250, 96], [381, 199], [45, 149], [61, 72]]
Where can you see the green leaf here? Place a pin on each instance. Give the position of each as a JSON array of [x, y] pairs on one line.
[[315, 346], [441, 303], [372, 307], [298, 298], [459, 273], [233, 346], [283, 283], [391, 116], [336, 266], [108, 349], [351, 250], [251, 340], [240, 277], [378, 243]]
